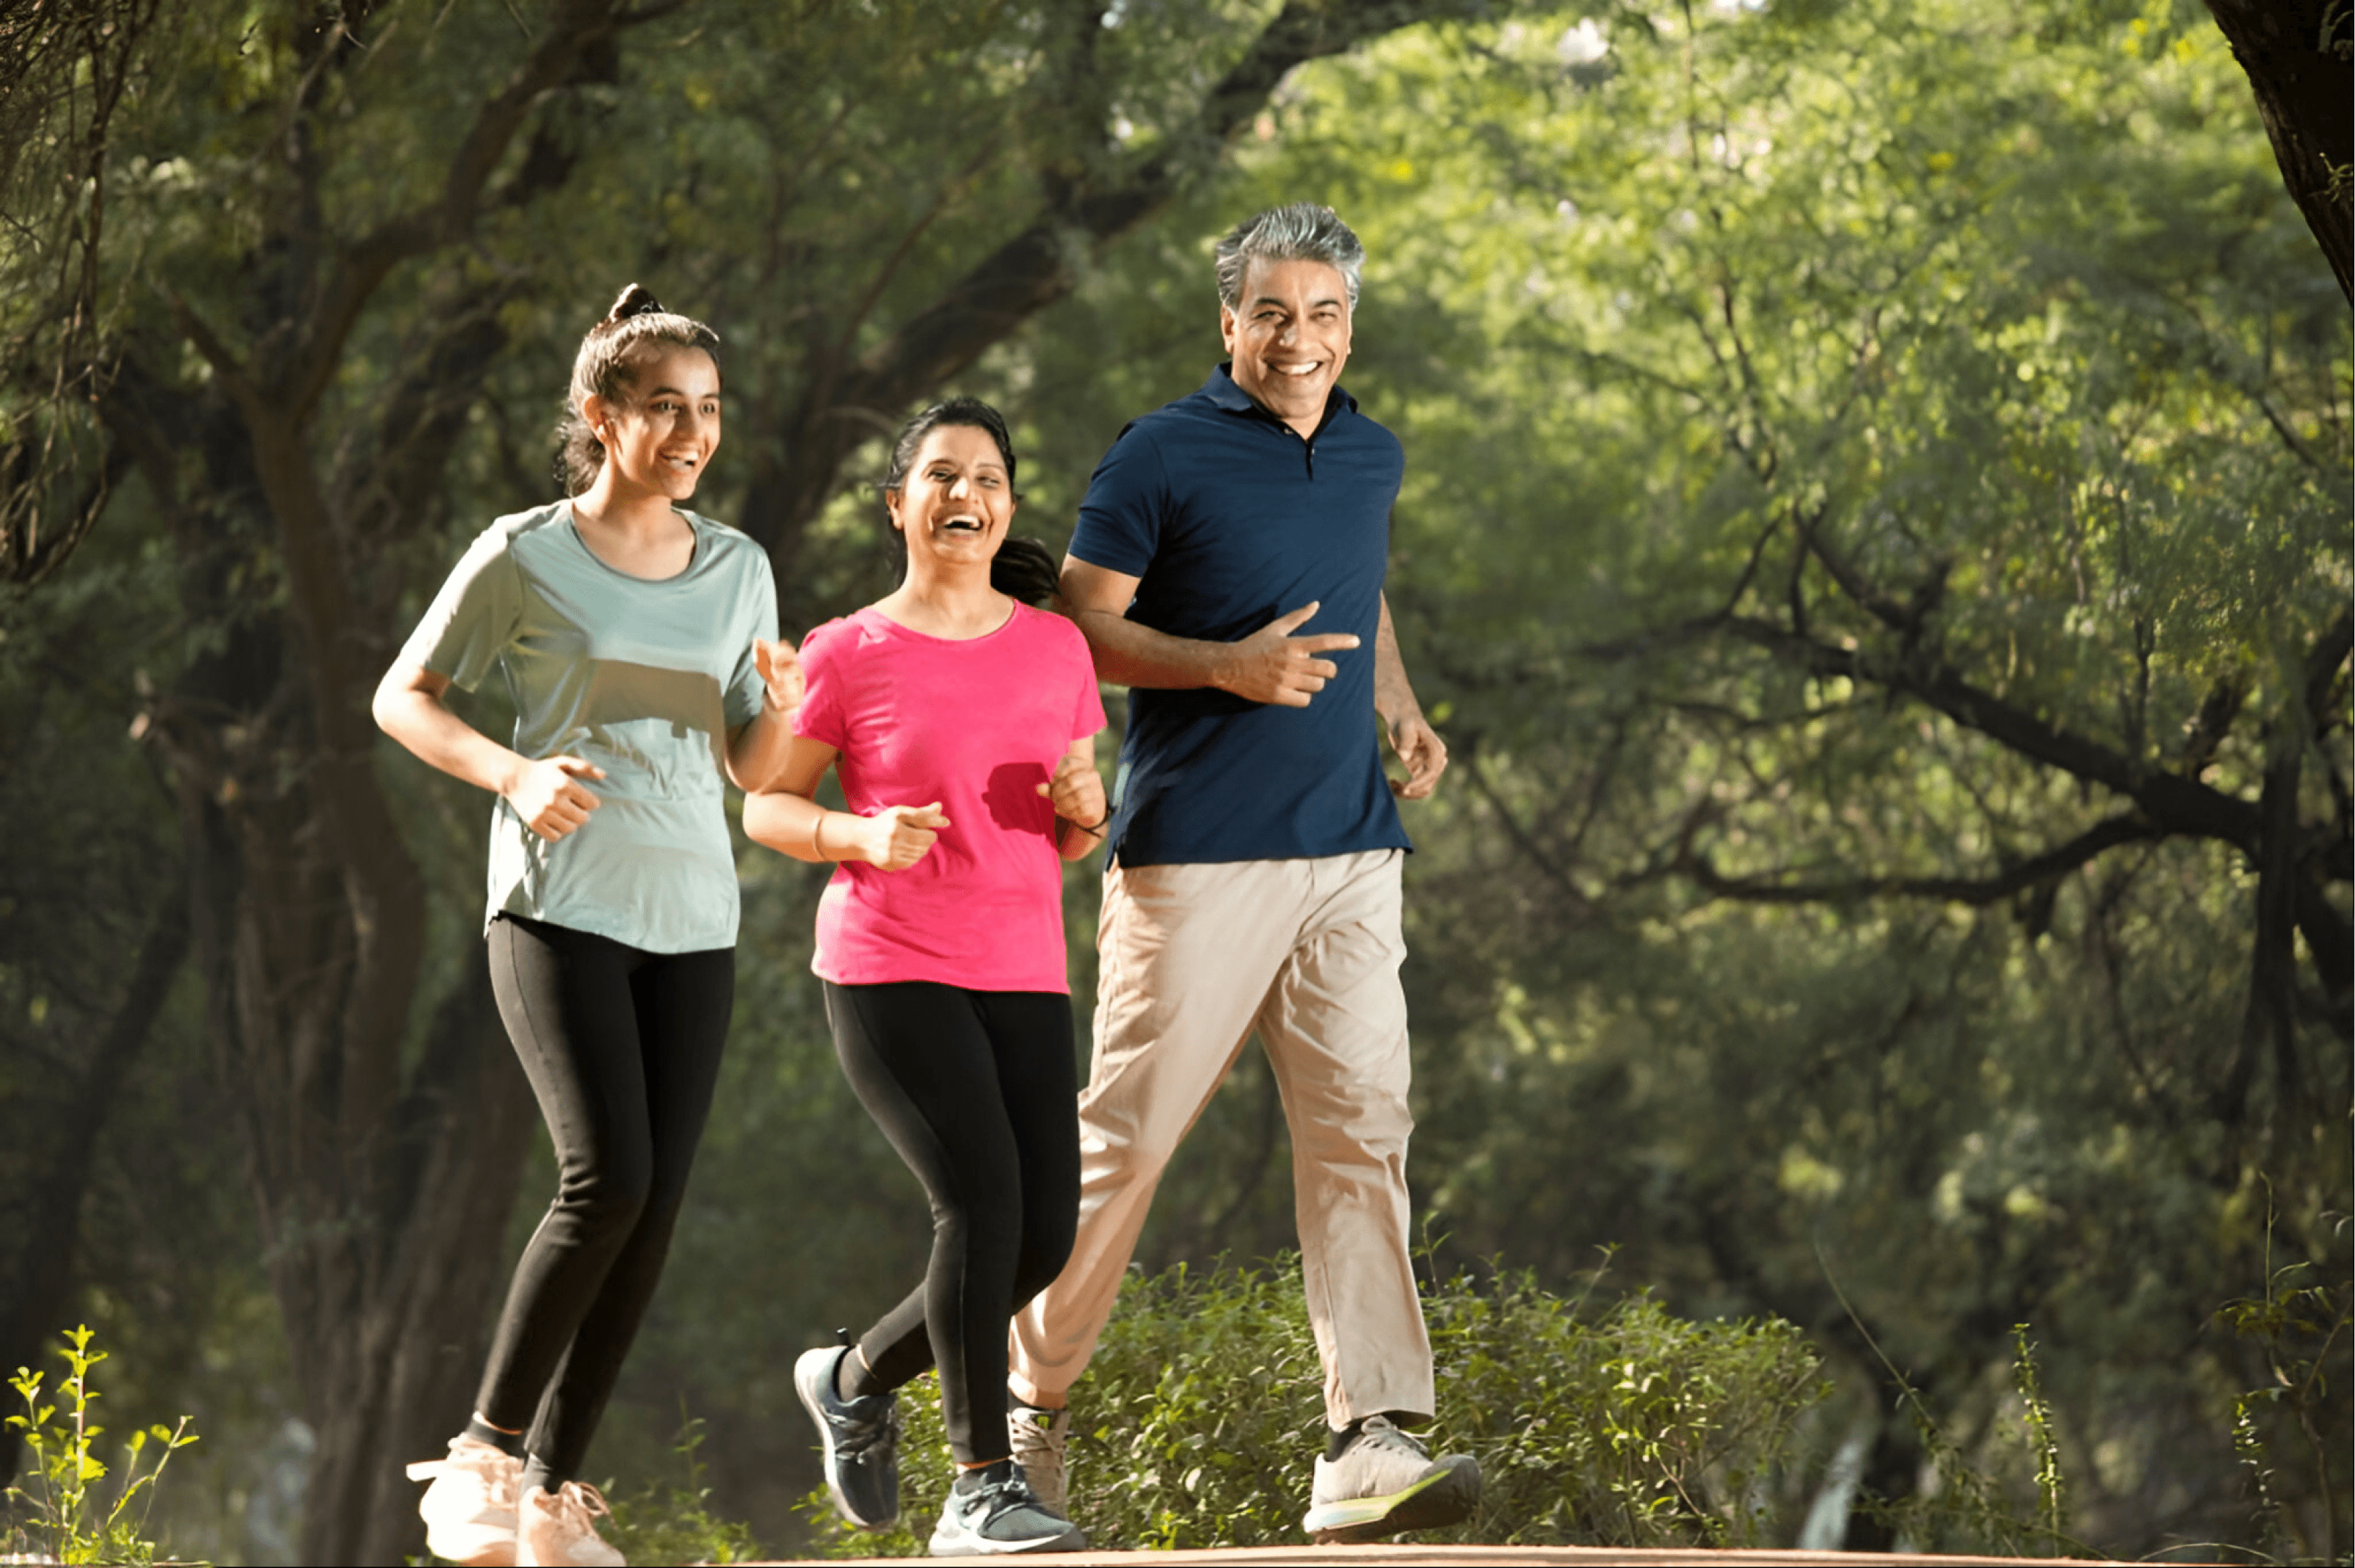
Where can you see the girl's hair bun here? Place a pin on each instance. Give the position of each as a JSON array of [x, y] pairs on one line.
[[635, 300]]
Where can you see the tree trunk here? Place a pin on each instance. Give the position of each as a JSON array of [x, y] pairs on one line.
[[50, 1141], [2297, 55], [383, 1189], [384, 1222]]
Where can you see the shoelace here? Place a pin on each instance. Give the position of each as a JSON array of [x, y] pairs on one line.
[[1381, 1434], [499, 1472], [499, 1484], [580, 1498], [858, 1436], [1009, 1490]]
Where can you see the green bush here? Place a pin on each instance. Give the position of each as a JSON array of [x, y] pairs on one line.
[[1200, 1416], [61, 1515], [1972, 1505], [670, 1520]]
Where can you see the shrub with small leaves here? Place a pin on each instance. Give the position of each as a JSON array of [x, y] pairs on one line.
[[1202, 1411], [63, 1515], [670, 1520]]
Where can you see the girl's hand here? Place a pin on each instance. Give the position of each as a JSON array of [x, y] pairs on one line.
[[899, 836], [781, 674], [1077, 793], [549, 797]]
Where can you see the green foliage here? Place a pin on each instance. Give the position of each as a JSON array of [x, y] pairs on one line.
[[2036, 1415], [2007, 306], [670, 1520], [70, 1519], [2298, 1326], [1635, 1428], [2007, 302], [1200, 1414], [1968, 1508], [2269, 1517]]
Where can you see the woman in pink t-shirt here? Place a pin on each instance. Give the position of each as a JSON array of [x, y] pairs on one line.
[[961, 723]]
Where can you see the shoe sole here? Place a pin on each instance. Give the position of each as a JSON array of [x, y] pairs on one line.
[[494, 1553], [806, 1389], [475, 1544], [1444, 1497], [1073, 1539]]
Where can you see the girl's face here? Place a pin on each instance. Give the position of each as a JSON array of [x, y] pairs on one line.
[[659, 440], [956, 503]]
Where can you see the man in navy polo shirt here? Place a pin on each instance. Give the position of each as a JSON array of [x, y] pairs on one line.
[[1228, 569]]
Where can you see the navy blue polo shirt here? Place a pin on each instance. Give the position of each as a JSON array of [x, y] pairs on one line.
[[1228, 519]]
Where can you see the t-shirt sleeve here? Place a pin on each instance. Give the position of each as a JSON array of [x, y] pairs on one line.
[[745, 687], [820, 716], [1120, 518], [473, 616]]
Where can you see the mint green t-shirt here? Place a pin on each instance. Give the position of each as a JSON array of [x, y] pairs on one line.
[[644, 678]]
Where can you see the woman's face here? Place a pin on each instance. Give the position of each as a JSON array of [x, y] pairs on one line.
[[956, 502], [660, 438]]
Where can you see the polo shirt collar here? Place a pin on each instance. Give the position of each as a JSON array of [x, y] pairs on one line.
[[1220, 390]]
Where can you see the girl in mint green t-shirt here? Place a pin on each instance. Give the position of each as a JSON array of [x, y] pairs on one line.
[[638, 644]]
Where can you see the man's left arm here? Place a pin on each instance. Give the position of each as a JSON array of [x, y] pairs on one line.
[[1418, 745]]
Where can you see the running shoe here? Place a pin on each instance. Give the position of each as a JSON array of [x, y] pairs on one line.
[[469, 1509], [558, 1529], [993, 1512], [861, 1437], [1385, 1482]]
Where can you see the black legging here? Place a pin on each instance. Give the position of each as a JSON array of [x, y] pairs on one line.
[[976, 1090], [622, 1049]]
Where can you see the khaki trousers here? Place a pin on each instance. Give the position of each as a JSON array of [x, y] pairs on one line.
[[1192, 959]]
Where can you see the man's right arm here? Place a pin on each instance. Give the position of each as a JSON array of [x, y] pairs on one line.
[[1271, 665]]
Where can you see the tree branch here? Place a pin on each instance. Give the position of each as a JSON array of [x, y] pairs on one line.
[[1032, 270], [2172, 802], [30, 554], [1851, 581], [1523, 840], [2332, 648], [580, 29], [395, 487], [227, 369], [2212, 723], [2049, 865], [1037, 266]]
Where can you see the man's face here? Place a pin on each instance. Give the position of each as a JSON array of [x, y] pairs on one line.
[[1289, 336]]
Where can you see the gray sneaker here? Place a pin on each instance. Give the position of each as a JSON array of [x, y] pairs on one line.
[[992, 1512], [1385, 1482], [861, 1436], [1038, 1437]]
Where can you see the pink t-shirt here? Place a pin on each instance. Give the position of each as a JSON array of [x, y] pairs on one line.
[[977, 724]]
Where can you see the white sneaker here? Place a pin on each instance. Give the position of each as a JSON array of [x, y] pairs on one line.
[[999, 1515], [1385, 1482], [469, 1509], [558, 1529], [1039, 1437]]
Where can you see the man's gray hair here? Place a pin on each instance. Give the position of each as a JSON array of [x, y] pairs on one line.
[[1303, 231]]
